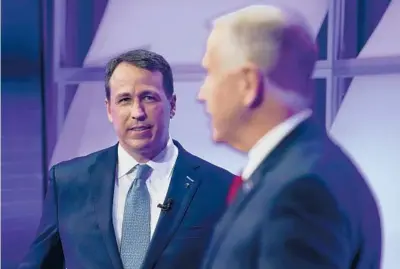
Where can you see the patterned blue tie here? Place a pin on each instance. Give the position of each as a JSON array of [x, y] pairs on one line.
[[136, 223]]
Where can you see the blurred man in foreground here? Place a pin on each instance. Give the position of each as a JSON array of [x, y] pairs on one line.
[[303, 204], [143, 203]]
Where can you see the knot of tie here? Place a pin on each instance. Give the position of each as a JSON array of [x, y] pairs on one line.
[[143, 172]]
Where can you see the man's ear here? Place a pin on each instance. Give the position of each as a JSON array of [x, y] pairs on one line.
[[253, 86], [173, 105]]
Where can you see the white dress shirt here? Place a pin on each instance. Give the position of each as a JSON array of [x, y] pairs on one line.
[[271, 140], [157, 184]]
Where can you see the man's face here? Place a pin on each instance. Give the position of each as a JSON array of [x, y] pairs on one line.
[[139, 109], [222, 90]]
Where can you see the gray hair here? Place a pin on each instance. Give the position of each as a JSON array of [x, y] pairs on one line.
[[255, 34]]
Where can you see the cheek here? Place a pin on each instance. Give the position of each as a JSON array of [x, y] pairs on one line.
[[158, 114], [210, 88], [231, 100], [213, 92], [222, 93], [120, 116]]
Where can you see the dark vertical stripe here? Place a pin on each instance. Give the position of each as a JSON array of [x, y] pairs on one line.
[[42, 51], [370, 13]]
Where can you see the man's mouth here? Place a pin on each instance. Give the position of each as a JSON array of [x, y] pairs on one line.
[[140, 128]]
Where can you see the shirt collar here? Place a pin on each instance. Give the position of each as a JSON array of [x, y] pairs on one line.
[[271, 140], [162, 164]]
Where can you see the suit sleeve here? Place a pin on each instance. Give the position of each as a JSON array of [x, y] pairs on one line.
[[305, 229], [46, 252]]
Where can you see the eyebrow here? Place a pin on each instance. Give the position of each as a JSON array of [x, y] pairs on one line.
[[141, 93], [121, 95], [148, 91]]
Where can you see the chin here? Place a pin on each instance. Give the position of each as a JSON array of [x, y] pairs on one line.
[[220, 137], [217, 137], [140, 144]]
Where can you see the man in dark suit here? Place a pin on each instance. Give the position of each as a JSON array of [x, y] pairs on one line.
[[302, 204], [143, 203]]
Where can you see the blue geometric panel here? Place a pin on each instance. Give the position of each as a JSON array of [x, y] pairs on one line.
[[368, 127]]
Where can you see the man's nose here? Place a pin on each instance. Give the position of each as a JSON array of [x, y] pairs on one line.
[[200, 94], [137, 111]]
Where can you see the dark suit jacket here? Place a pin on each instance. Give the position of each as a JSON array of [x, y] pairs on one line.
[[306, 206], [76, 225]]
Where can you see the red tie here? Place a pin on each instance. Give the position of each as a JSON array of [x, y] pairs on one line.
[[236, 184]]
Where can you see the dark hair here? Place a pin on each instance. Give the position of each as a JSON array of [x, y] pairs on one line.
[[143, 59]]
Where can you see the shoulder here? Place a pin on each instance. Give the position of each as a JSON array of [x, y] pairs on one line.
[[210, 173], [212, 169], [80, 164], [322, 172], [309, 163], [331, 163], [321, 157]]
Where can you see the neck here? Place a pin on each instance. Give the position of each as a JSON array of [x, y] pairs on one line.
[[258, 124], [145, 155]]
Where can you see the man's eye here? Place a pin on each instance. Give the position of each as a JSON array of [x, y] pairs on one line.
[[124, 100], [149, 98]]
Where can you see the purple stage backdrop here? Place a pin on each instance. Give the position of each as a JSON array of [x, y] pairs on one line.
[[182, 42], [22, 151]]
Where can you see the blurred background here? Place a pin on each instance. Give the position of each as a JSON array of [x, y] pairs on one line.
[[52, 96]]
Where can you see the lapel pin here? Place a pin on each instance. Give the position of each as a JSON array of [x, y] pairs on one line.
[[247, 185], [187, 184]]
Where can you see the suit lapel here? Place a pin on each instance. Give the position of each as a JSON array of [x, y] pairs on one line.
[[182, 188], [224, 224], [305, 130], [102, 178]]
